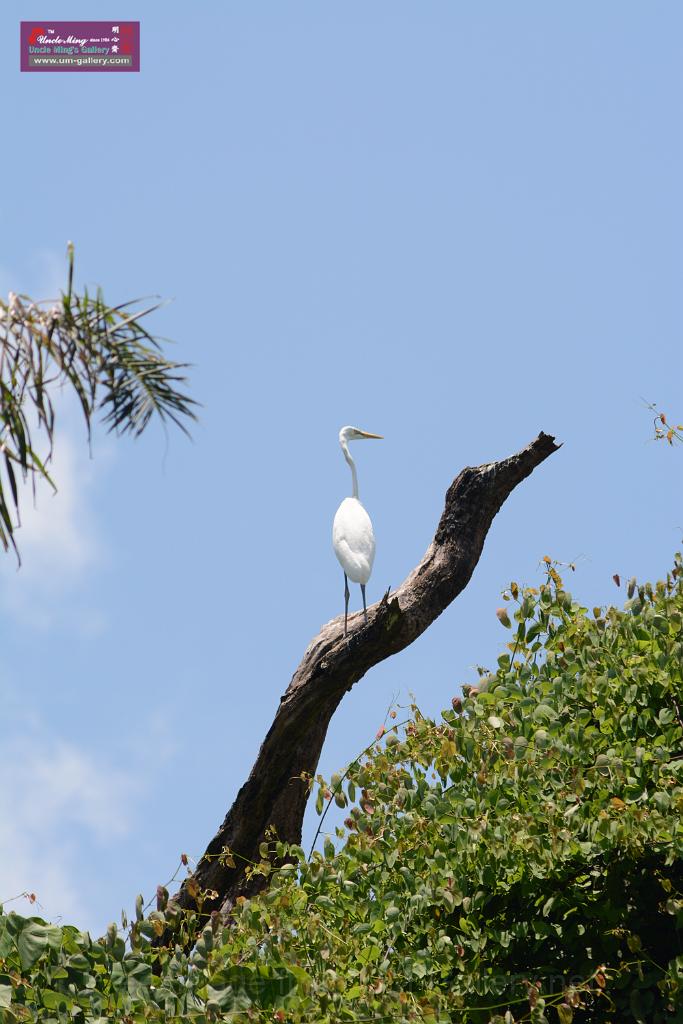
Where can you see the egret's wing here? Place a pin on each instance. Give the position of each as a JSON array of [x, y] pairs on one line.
[[353, 540]]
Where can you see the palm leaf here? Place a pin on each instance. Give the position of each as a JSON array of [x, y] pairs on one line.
[[104, 354]]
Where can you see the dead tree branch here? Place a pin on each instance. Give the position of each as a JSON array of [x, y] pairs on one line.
[[275, 793]]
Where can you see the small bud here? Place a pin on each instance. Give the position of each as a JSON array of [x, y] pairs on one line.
[[503, 617]]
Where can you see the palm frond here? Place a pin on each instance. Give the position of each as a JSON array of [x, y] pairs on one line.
[[104, 354]]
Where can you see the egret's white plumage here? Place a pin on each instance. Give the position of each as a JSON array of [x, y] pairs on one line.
[[353, 538]]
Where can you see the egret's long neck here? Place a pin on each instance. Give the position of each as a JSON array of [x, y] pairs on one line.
[[352, 464]]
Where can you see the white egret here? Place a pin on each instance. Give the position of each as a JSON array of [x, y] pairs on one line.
[[353, 539]]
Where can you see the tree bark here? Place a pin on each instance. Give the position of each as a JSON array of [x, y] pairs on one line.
[[275, 794]]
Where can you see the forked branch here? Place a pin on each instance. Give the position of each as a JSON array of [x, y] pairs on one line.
[[275, 794]]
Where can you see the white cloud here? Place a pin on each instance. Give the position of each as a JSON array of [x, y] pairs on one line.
[[56, 536], [58, 543], [55, 800]]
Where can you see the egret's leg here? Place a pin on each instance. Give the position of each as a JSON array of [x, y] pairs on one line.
[[346, 603], [365, 609]]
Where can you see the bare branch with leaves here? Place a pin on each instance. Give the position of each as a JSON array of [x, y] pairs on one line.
[[663, 430]]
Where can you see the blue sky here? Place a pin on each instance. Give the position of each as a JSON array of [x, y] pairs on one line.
[[452, 224]]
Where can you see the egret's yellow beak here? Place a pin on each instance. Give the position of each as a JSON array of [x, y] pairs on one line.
[[364, 433]]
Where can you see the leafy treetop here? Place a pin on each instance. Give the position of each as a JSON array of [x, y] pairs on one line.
[[519, 860]]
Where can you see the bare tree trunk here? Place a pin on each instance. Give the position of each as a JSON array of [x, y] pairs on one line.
[[275, 792]]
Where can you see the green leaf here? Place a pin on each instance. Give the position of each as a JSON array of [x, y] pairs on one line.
[[32, 943], [544, 713], [56, 1000]]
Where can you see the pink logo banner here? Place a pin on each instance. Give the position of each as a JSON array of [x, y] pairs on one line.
[[80, 46]]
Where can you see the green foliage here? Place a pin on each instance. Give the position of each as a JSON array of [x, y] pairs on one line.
[[102, 353], [520, 860]]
